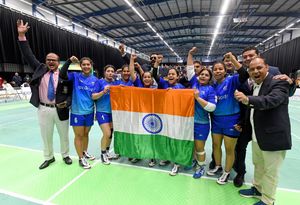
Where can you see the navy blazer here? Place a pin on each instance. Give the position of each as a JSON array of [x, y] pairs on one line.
[[63, 90], [271, 119]]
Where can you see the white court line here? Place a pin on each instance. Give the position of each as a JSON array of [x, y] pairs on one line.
[[129, 165], [190, 175], [70, 183], [21, 148], [15, 122], [25, 198], [32, 150]]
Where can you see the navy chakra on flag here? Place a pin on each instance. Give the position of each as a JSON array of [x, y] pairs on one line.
[[152, 123]]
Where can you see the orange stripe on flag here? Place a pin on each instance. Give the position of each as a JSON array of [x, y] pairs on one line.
[[173, 101]]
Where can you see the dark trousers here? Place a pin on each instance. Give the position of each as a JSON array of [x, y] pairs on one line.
[[240, 153]]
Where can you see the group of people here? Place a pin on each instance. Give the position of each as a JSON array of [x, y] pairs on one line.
[[237, 105], [16, 81]]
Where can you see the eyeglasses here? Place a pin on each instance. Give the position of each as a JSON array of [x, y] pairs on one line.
[[152, 58], [54, 60]]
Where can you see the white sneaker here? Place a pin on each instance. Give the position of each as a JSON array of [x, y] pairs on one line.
[[105, 159], [84, 164], [174, 170], [224, 178], [215, 171], [88, 156], [164, 162], [134, 160], [151, 163], [111, 155]]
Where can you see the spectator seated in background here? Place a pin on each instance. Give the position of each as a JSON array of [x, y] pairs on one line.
[[17, 79], [9, 89]]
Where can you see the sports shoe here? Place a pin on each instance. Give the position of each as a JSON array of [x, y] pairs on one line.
[[112, 156], [215, 171], [194, 163], [88, 156], [104, 159], [199, 172], [238, 180], [224, 178], [261, 203], [84, 164], [163, 162], [250, 193], [152, 163], [174, 170], [134, 160]]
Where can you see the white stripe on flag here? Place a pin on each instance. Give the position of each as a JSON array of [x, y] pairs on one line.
[[173, 126]]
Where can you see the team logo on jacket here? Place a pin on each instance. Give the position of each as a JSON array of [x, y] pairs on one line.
[[152, 123]]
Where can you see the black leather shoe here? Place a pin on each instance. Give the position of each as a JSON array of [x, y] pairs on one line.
[[238, 181], [47, 163], [67, 160]]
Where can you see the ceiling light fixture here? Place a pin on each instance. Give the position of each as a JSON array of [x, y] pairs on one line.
[[26, 2], [153, 29], [279, 32], [76, 24], [49, 12], [223, 11], [63, 18]]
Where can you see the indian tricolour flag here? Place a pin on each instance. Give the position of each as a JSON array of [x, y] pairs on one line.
[[152, 123]]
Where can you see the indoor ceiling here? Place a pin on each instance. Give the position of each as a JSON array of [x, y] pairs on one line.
[[182, 24]]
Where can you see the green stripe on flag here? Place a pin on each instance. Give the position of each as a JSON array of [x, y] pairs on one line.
[[143, 146]]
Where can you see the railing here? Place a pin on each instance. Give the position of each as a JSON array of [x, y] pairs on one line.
[[16, 93]]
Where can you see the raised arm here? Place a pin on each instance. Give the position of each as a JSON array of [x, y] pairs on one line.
[[140, 69], [24, 45], [190, 64], [190, 56], [64, 69], [155, 69], [233, 60], [131, 67]]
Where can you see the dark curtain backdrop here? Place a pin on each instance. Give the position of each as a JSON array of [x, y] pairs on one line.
[[45, 38], [285, 56]]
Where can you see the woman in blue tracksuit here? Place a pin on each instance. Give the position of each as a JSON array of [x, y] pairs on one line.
[[205, 98], [224, 119], [170, 83], [82, 108], [103, 110], [145, 82]]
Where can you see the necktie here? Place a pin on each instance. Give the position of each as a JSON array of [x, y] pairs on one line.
[[51, 94]]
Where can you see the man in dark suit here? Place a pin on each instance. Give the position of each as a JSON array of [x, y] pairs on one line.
[[51, 95], [248, 54], [269, 123]]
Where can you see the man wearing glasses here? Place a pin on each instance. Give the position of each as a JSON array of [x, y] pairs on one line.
[[52, 97]]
